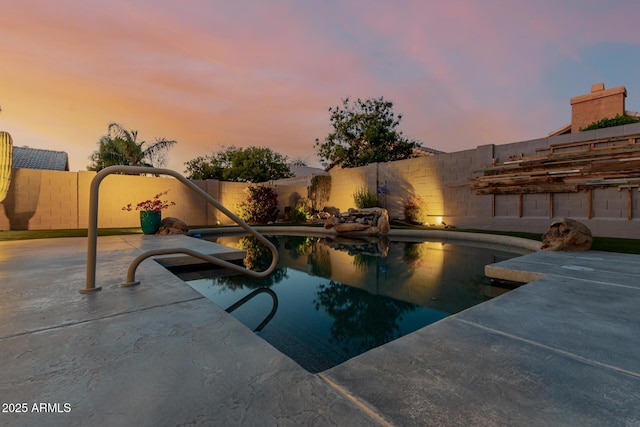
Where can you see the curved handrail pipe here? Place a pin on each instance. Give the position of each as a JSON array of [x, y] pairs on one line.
[[92, 232], [245, 299], [131, 273]]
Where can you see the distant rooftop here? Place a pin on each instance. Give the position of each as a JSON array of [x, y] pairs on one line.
[[421, 150], [34, 158], [302, 175], [592, 107], [301, 170]]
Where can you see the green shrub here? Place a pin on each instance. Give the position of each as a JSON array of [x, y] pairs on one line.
[[260, 206], [415, 210], [618, 120], [363, 198], [305, 205], [319, 191], [298, 215]]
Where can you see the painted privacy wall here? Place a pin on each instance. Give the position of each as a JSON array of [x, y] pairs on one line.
[[47, 200], [39, 199], [441, 181]]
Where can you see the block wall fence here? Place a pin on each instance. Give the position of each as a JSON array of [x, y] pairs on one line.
[[39, 199], [48, 200]]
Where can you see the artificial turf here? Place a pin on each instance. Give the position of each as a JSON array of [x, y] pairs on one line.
[[609, 244]]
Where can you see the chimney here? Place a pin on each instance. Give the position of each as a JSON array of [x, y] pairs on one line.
[[600, 104]]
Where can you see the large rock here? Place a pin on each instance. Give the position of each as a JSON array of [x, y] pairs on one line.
[[370, 221], [567, 234], [171, 226]]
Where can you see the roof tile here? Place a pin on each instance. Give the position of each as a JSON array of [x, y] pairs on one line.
[[34, 158]]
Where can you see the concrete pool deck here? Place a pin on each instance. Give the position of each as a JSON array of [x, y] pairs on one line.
[[563, 350]]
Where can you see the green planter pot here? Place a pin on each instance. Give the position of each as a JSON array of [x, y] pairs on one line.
[[150, 221]]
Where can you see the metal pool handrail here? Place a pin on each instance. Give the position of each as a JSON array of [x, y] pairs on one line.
[[250, 296], [92, 232]]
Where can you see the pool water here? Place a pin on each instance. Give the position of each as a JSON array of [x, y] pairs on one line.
[[331, 299]]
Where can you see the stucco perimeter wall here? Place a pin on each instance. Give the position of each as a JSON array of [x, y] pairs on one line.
[[40, 199], [58, 200], [440, 181], [288, 195], [116, 191], [230, 194], [345, 182], [49, 200]]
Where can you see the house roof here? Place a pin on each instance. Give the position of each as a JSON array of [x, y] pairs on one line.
[[421, 150], [567, 128], [561, 131], [34, 158], [301, 170]]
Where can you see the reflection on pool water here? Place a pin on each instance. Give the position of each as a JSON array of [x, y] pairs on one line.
[[334, 298]]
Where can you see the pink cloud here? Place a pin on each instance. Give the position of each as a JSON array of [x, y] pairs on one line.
[[245, 73]]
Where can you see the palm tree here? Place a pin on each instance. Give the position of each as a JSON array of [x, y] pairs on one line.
[[120, 147]]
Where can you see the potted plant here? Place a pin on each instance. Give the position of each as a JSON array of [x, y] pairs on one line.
[[151, 212]]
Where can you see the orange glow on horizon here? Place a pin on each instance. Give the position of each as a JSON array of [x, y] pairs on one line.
[[209, 74]]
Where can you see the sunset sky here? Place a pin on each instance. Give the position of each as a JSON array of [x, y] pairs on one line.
[[219, 73]]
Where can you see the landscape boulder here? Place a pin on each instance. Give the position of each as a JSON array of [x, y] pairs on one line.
[[368, 245], [370, 221], [567, 234], [171, 226]]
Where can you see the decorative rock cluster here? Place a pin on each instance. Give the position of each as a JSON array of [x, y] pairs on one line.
[[171, 226], [370, 221], [567, 234], [369, 245], [320, 216]]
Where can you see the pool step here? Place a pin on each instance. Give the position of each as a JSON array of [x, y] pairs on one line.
[[191, 268], [203, 246], [499, 287], [203, 271], [173, 261]]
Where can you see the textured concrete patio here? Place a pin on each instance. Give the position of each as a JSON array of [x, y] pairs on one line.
[[563, 350]]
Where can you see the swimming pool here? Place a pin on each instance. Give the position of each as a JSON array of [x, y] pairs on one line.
[[333, 298]]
